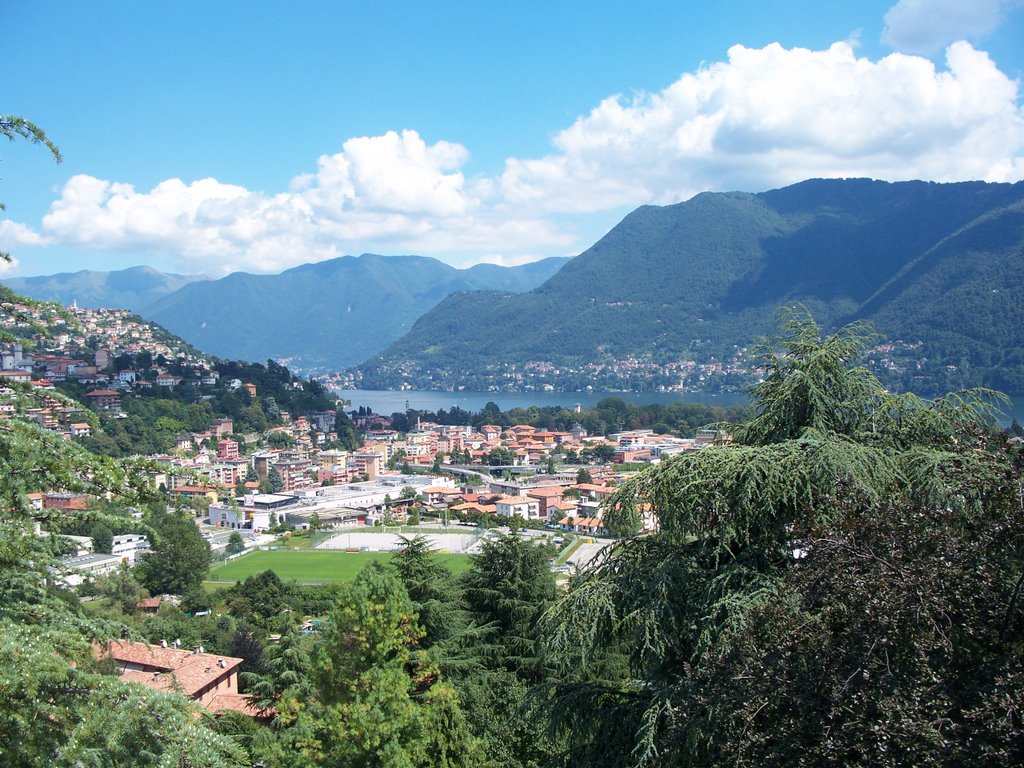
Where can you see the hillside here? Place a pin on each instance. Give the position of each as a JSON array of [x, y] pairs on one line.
[[937, 263], [132, 288], [327, 315]]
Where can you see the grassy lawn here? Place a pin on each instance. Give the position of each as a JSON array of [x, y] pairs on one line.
[[311, 567]]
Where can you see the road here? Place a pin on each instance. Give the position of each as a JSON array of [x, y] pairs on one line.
[[587, 552]]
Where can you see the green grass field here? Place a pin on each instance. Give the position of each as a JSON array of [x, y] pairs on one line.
[[311, 567]]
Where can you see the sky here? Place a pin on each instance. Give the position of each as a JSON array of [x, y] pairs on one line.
[[207, 138]]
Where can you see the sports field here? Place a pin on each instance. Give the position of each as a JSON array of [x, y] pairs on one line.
[[313, 567]]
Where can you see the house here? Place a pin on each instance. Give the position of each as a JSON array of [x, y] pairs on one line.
[[104, 399], [524, 506], [167, 380], [16, 377], [438, 494], [547, 497], [222, 427], [194, 492], [149, 605], [207, 679], [80, 429]]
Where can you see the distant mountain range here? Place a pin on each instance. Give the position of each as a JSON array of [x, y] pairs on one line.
[[134, 288], [940, 263], [315, 317]]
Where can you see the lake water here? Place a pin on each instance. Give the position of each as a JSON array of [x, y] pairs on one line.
[[387, 402]]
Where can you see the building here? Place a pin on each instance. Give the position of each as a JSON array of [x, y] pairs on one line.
[[207, 679], [82, 567], [227, 450], [104, 399], [524, 506], [547, 496], [129, 547]]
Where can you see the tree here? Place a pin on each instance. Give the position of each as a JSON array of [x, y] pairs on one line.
[[121, 589], [348, 436], [500, 457], [507, 588], [57, 707], [583, 476], [835, 587], [603, 452], [432, 589], [314, 522], [235, 544], [377, 700], [102, 538], [180, 557], [274, 479]]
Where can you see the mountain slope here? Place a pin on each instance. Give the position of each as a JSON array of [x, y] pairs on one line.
[[132, 288], [693, 280], [327, 315]]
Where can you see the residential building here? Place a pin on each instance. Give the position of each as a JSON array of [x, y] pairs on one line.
[[207, 679], [524, 506]]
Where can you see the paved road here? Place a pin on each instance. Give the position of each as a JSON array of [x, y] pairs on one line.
[[587, 552]]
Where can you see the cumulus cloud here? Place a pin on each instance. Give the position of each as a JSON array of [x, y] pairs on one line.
[[762, 118], [773, 116], [8, 266], [927, 26], [14, 235]]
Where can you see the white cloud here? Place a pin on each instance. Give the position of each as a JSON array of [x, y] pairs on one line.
[[8, 267], [927, 26], [772, 116], [15, 235], [761, 119]]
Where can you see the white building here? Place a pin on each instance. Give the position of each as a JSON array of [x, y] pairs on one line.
[[130, 547], [524, 506]]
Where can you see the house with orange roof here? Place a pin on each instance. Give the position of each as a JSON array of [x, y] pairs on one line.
[[476, 506], [207, 679], [490, 431], [439, 494], [524, 506], [104, 399], [546, 496]]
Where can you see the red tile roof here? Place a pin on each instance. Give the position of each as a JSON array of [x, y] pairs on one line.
[[171, 669]]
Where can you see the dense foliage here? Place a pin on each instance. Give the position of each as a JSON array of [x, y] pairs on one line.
[[611, 414], [840, 586]]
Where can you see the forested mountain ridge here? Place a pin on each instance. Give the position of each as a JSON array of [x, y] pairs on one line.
[[330, 314], [133, 288], [939, 263]]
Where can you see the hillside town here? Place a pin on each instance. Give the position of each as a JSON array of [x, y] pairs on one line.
[[296, 474]]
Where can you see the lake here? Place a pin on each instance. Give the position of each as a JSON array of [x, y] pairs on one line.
[[387, 402]]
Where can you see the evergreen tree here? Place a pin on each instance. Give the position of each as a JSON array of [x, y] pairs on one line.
[[377, 700], [348, 436], [57, 709], [275, 480], [435, 596], [838, 586]]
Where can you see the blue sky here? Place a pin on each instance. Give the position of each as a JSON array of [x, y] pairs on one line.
[[213, 137]]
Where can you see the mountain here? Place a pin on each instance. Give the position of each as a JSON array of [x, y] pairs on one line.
[[939, 263], [132, 288], [328, 315]]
